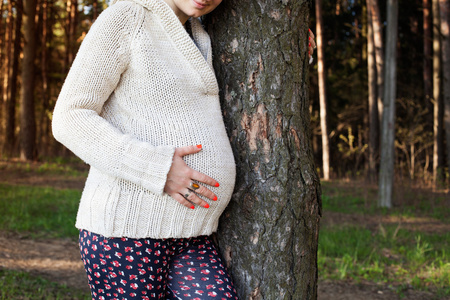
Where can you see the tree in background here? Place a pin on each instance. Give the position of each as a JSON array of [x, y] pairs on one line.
[[28, 150], [322, 92], [386, 178], [377, 29], [269, 232], [8, 104], [444, 7], [438, 148], [374, 121]]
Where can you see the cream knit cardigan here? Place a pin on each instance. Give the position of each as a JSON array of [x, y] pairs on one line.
[[138, 88]]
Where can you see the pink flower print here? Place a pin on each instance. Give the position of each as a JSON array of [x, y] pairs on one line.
[[203, 265], [133, 277], [209, 286], [219, 281], [116, 264], [199, 292], [137, 243], [134, 286], [185, 288], [149, 286], [192, 270], [212, 294], [118, 254], [128, 249], [205, 271], [133, 294], [123, 282], [141, 271], [204, 278], [129, 258], [107, 248], [94, 247], [121, 290], [188, 277], [145, 259]]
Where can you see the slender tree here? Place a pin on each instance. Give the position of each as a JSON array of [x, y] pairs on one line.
[[444, 8], [386, 178], [28, 149], [322, 92], [427, 51], [438, 148], [269, 233], [374, 124], [8, 103], [377, 29]]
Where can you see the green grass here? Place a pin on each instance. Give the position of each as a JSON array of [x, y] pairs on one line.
[[353, 198], [38, 211], [21, 285], [386, 254]]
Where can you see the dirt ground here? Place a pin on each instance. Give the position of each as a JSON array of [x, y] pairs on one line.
[[58, 260]]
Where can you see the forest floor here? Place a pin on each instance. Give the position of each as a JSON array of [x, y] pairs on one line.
[[57, 259]]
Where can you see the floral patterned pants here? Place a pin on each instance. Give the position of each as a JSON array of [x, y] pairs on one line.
[[125, 268]]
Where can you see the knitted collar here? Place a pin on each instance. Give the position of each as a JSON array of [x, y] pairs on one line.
[[198, 52]]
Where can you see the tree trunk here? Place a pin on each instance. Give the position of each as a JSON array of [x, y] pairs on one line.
[[8, 103], [94, 10], [27, 115], [427, 53], [438, 148], [71, 23], [15, 72], [444, 7], [44, 121], [269, 233], [377, 28], [388, 126], [322, 92], [374, 124]]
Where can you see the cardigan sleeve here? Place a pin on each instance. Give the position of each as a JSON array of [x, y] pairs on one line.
[[95, 72]]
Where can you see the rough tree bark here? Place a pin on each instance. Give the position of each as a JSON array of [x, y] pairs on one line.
[[28, 149], [386, 178], [444, 8], [322, 92], [269, 233], [374, 124], [438, 145]]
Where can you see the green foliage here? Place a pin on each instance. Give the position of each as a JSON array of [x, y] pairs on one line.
[[21, 285], [39, 211]]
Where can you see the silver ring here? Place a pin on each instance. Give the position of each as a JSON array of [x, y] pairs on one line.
[[194, 186], [187, 194]]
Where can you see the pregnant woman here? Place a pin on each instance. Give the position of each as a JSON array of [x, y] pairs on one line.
[[140, 105]]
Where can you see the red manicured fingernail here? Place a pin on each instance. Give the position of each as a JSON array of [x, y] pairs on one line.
[[309, 38], [192, 207], [199, 146], [206, 205], [310, 44], [215, 198], [217, 184]]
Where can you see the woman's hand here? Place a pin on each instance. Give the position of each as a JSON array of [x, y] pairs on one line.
[[181, 180], [311, 45]]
